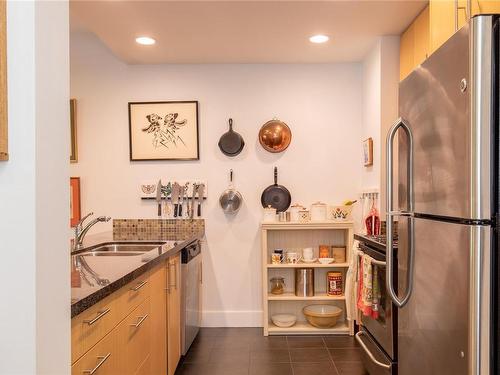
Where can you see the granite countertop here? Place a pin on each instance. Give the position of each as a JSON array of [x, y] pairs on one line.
[[119, 270]]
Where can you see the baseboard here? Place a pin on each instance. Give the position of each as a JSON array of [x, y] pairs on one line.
[[231, 319]]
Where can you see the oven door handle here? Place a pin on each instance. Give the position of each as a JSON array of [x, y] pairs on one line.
[[368, 353], [373, 261]]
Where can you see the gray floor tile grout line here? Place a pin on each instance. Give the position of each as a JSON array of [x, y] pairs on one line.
[[331, 358]]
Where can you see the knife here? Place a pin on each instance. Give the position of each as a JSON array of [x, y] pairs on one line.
[[195, 189], [184, 196], [181, 199], [201, 191], [175, 197], [158, 197]]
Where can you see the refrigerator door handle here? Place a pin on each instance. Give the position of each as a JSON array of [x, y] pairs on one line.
[[399, 124]]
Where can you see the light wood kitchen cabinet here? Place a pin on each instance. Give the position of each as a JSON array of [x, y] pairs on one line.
[[88, 328], [434, 26], [414, 46], [174, 313], [101, 359], [158, 358], [138, 326], [134, 339]]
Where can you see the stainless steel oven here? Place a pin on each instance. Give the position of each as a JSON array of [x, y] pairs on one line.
[[377, 336]]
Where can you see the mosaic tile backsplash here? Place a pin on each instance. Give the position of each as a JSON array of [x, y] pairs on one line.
[[157, 229]]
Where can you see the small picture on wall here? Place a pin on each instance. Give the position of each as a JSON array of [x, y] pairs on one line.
[[74, 201], [73, 158], [368, 152], [163, 130]]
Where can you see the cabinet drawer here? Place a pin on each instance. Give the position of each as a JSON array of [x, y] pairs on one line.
[[134, 338], [145, 368], [102, 359], [133, 294], [92, 325]]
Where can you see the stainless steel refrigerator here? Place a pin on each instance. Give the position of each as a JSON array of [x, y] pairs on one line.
[[446, 146]]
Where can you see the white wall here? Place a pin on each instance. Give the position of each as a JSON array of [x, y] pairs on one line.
[[380, 108], [34, 272], [321, 103]]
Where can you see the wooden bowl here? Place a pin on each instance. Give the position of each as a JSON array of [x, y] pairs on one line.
[[322, 316]]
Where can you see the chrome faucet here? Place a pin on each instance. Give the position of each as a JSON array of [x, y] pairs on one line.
[[81, 231]]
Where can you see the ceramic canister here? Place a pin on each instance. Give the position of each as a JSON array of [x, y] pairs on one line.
[[318, 211], [294, 211], [269, 215]]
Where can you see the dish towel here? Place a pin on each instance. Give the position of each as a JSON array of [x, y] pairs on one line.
[[365, 285], [376, 293], [351, 284]]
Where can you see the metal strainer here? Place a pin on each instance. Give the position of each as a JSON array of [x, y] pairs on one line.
[[231, 199]]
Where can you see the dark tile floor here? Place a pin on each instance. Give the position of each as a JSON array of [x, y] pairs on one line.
[[244, 351]]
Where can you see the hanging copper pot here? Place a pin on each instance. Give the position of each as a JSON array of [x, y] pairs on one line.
[[275, 136]]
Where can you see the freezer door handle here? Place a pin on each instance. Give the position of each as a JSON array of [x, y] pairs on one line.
[[403, 125], [368, 353]]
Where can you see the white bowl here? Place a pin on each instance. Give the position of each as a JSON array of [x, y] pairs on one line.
[[284, 320], [326, 260]]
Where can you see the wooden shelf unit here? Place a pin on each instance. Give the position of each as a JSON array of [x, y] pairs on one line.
[[295, 237]]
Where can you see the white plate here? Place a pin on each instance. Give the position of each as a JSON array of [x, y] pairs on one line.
[[310, 260]]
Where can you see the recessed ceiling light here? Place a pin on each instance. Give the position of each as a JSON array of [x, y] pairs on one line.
[[319, 38], [145, 40]]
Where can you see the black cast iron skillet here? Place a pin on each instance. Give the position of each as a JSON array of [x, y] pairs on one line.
[[276, 196], [231, 143]]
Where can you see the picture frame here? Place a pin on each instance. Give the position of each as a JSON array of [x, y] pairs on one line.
[[74, 201], [166, 130], [73, 158], [368, 152]]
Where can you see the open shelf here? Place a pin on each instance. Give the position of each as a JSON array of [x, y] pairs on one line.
[[309, 265], [289, 296], [300, 328], [330, 224]]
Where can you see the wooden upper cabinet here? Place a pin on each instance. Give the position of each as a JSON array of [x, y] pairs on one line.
[[414, 47], [407, 52], [486, 7], [4, 146], [442, 22]]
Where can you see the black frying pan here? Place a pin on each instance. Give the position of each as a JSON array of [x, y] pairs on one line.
[[276, 196], [231, 143]]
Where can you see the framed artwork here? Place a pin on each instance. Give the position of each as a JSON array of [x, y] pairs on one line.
[[163, 130], [74, 200], [73, 158], [368, 152], [4, 144]]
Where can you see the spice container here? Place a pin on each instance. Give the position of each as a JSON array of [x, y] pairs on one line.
[[277, 285], [318, 211], [304, 282], [334, 283], [324, 251], [338, 253], [269, 215], [294, 211], [304, 216]]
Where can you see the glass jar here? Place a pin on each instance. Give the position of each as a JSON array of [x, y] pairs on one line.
[[277, 285]]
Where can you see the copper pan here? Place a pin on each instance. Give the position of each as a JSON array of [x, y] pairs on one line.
[[275, 136]]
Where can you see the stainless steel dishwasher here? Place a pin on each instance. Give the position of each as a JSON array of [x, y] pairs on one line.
[[191, 279]]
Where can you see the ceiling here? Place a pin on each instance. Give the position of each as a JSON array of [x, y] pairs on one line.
[[242, 31]]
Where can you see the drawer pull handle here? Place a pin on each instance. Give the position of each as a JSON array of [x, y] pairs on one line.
[[100, 314], [102, 359], [141, 319], [139, 286]]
